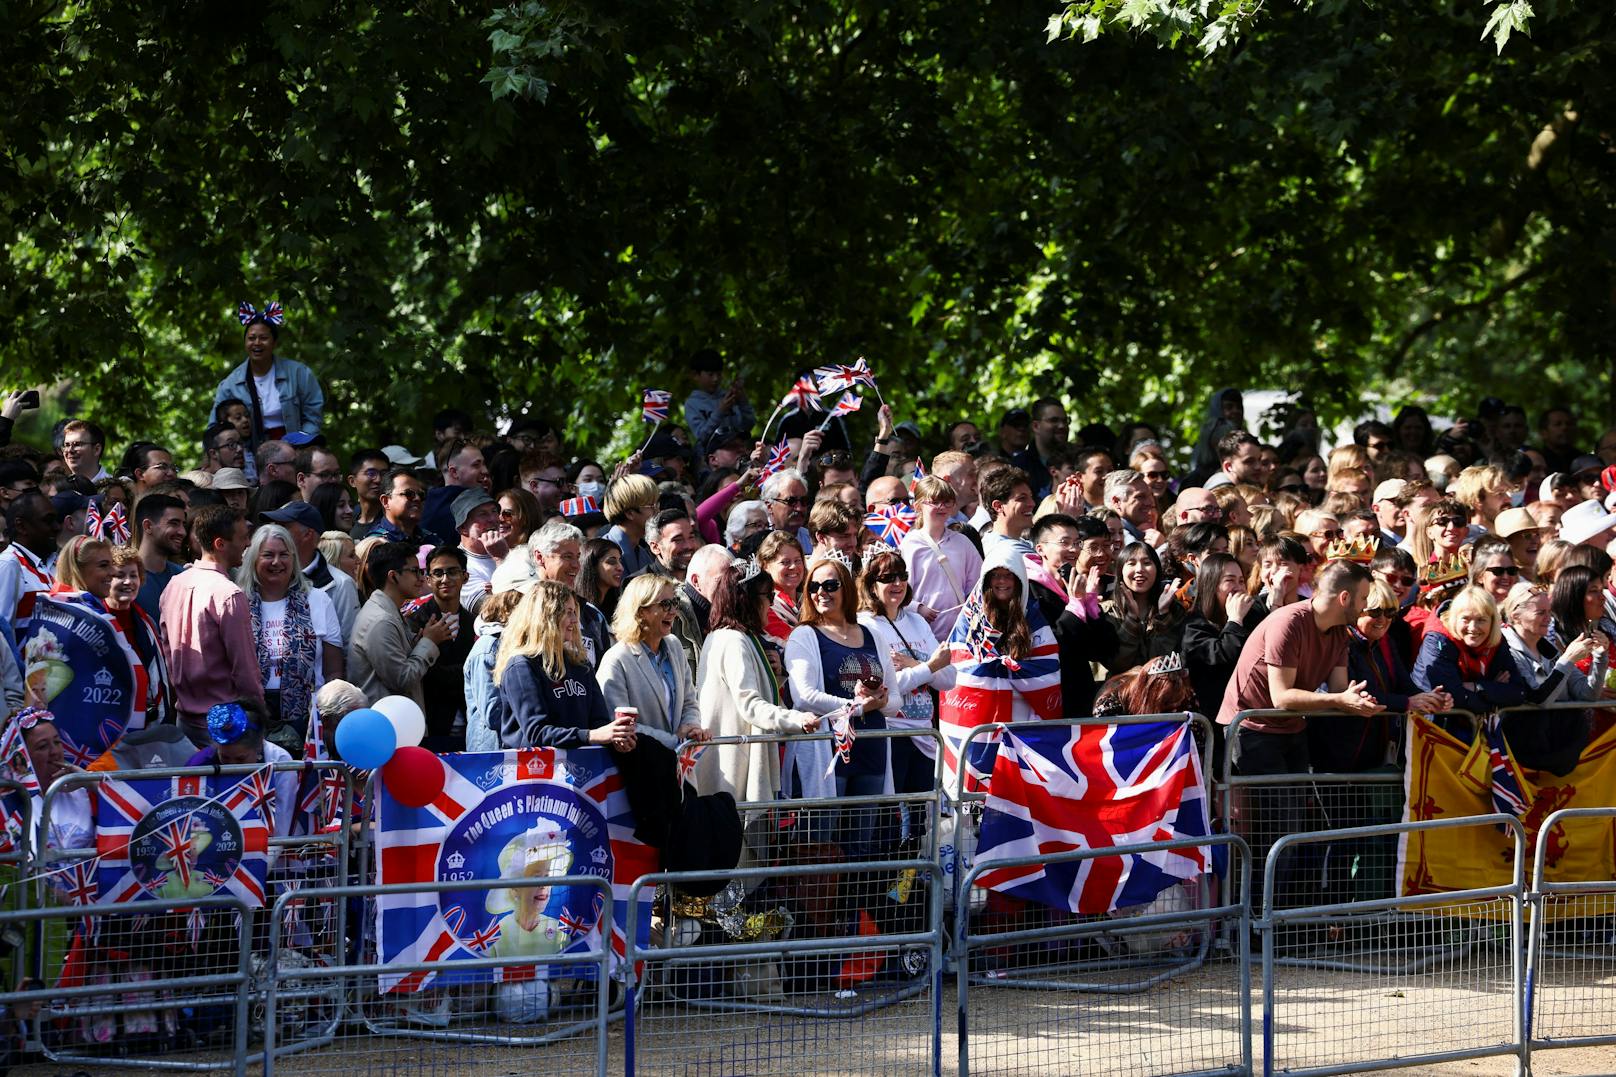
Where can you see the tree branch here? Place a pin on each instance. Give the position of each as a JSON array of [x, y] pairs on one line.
[[1466, 307]]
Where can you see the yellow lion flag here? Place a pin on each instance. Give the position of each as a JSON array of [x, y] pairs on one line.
[[1447, 779]]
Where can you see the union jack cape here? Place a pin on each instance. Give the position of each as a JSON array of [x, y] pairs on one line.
[[990, 687], [488, 800], [1068, 788], [183, 837]]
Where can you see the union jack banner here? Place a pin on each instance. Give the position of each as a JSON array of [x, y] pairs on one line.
[[273, 314], [890, 523], [842, 376], [654, 407], [802, 397], [1067, 788], [990, 688], [113, 527], [779, 455], [518, 815], [579, 506], [181, 837]]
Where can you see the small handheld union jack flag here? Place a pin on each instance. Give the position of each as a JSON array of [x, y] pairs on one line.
[[654, 407], [920, 473], [847, 405], [689, 752], [891, 522], [579, 506], [779, 456], [802, 397], [840, 722], [113, 526], [842, 376]]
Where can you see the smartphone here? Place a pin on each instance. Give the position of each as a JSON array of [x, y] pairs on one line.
[[29, 401]]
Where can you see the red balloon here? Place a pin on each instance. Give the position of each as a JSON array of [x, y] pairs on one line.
[[414, 776]]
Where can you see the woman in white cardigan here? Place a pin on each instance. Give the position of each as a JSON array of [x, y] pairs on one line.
[[647, 671], [833, 662], [921, 665], [740, 694]]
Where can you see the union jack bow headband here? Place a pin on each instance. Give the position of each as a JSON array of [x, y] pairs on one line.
[[272, 313]]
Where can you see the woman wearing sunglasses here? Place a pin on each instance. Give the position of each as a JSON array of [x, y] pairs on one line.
[[1438, 531], [921, 665], [1493, 568], [1551, 740], [646, 668], [832, 661]]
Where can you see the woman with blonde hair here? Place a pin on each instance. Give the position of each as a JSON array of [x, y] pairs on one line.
[[85, 564], [1485, 490], [1463, 654], [646, 668], [1550, 559]]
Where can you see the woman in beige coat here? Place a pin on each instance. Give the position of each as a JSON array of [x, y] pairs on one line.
[[739, 693]]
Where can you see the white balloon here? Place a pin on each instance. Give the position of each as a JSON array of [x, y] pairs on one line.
[[409, 724]]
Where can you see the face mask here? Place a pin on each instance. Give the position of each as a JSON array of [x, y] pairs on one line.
[[596, 490]]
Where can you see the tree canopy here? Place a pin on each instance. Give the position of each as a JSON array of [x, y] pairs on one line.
[[545, 207]]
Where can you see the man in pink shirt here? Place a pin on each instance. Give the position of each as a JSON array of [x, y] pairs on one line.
[[212, 657]]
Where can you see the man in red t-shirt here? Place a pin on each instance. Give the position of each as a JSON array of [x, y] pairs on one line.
[[1296, 649]]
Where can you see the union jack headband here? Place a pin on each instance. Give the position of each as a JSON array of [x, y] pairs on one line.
[[272, 313], [29, 717]]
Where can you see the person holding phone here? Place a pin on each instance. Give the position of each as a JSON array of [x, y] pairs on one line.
[[713, 404], [15, 403]]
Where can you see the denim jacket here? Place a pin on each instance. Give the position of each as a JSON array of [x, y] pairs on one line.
[[302, 402]]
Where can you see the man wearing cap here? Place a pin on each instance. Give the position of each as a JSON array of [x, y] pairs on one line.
[[1392, 517], [366, 469], [1015, 431], [707, 408], [402, 496], [231, 484], [302, 521], [725, 448], [484, 538], [663, 451], [71, 507], [1585, 472], [17, 477]]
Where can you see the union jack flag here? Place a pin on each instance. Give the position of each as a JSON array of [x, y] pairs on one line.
[[891, 522], [113, 527], [419, 845], [841, 727], [579, 506], [77, 886], [179, 837], [919, 473], [1508, 789], [842, 376], [482, 939], [654, 406], [779, 456], [991, 688], [847, 405], [689, 752], [1062, 789], [802, 397], [16, 806]]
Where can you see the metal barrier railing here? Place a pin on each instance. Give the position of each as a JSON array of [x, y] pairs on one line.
[[1068, 1036], [1571, 955], [1417, 1015], [868, 968], [533, 1000]]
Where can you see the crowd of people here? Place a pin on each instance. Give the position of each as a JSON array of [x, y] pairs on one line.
[[524, 594]]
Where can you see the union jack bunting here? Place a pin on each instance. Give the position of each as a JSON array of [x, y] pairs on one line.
[[516, 815], [273, 314], [1062, 789], [890, 523], [579, 506], [180, 837], [779, 456], [802, 397], [990, 688], [842, 376], [654, 407]]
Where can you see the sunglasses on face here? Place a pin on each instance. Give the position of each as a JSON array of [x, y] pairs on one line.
[[794, 502], [1400, 581], [1331, 533], [1506, 570], [1384, 613], [828, 587], [666, 605], [893, 577], [409, 495], [1451, 521]]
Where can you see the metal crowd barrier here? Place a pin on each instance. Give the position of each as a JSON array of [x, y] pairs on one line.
[[1571, 956], [557, 1002], [1405, 1014], [874, 984], [1169, 1032]]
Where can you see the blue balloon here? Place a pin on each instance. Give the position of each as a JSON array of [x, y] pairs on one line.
[[365, 739]]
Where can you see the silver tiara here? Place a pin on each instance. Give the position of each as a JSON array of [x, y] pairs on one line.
[[877, 547], [831, 553], [749, 569], [1171, 662]]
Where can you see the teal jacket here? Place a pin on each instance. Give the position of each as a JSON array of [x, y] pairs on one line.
[[302, 402]]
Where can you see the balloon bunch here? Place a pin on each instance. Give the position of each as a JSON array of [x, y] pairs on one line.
[[387, 737]]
